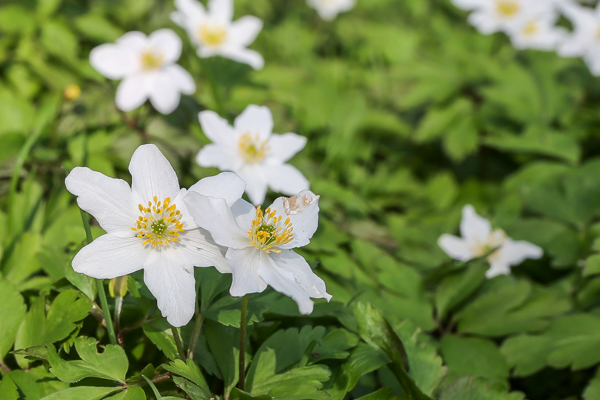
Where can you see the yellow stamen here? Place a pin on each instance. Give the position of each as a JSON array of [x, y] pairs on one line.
[[531, 28], [211, 35], [508, 8], [152, 60], [268, 232], [159, 224], [252, 148]]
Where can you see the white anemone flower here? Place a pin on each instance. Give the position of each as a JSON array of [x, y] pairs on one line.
[[260, 243], [251, 151], [585, 39], [146, 65], [478, 239], [537, 32], [329, 9], [213, 31], [148, 227]]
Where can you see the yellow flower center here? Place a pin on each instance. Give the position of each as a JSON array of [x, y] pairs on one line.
[[507, 8], [268, 231], [531, 28], [159, 223], [494, 241], [211, 35], [252, 148], [152, 60]]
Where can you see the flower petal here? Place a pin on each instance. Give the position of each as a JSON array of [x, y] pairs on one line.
[[198, 249], [303, 274], [218, 156], [245, 264], [226, 185], [484, 22], [109, 256], [244, 213], [284, 282], [286, 179], [244, 56], [132, 92], [303, 212], [256, 182], [243, 31], [515, 252], [152, 174], [214, 215], [188, 13], [164, 94], [113, 61], [167, 43], [256, 120], [498, 266], [173, 286], [109, 200], [180, 78], [217, 129], [474, 228], [221, 11], [283, 147], [134, 41], [455, 247]]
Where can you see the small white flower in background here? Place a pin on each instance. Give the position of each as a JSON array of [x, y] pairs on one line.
[[537, 32], [478, 239], [146, 65], [329, 9], [260, 243], [251, 151], [584, 41], [213, 31], [148, 227]]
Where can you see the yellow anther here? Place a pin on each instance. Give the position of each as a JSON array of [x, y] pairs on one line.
[[158, 225], [253, 149], [211, 35], [266, 230], [508, 8]]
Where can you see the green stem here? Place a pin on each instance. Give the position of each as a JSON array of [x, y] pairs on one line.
[[214, 87], [118, 308], [242, 364], [100, 285], [178, 343], [195, 334]]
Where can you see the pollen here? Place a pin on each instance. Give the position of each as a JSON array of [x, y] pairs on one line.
[[269, 231], [252, 148], [151, 60], [508, 8], [159, 223], [531, 28], [211, 35]]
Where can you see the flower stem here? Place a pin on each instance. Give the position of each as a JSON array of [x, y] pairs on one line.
[[214, 86], [195, 334], [99, 285], [242, 364], [118, 308], [178, 343]]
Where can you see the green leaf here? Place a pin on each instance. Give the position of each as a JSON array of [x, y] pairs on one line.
[[12, 312], [133, 393], [472, 388], [190, 371], [58, 40], [383, 394], [111, 364], [334, 345], [82, 392], [211, 283], [363, 359], [575, 341], [8, 389], [46, 8], [67, 308], [592, 391], [159, 332], [592, 265], [33, 353], [456, 288], [224, 344], [237, 394], [226, 310], [194, 391], [526, 354], [462, 139]]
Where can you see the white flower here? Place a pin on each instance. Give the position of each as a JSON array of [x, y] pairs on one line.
[[537, 32], [149, 227], [585, 39], [214, 33], [251, 151], [260, 243], [478, 239], [329, 9], [147, 66]]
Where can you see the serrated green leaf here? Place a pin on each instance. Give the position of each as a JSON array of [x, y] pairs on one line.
[[592, 390], [190, 371], [592, 265], [471, 388], [527, 354], [133, 393], [159, 332], [66, 309], [383, 394], [12, 312], [456, 288], [8, 389], [223, 342], [82, 392]]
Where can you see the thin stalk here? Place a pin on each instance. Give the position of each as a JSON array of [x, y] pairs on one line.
[[242, 364], [178, 343], [4, 368], [118, 308], [214, 87], [195, 334], [99, 285]]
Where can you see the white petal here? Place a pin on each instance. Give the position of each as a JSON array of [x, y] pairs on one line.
[[113, 61], [283, 147], [245, 264], [134, 41], [468, 4], [217, 129], [221, 10], [218, 156], [180, 78], [198, 249], [484, 22], [226, 185], [110, 256], [152, 174], [455, 247], [109, 200], [256, 183], [284, 282], [286, 179], [214, 215], [473, 228], [244, 56], [164, 94], [303, 274], [498, 266], [243, 31], [188, 12], [244, 213], [132, 92], [515, 252], [303, 212], [167, 43], [173, 286], [256, 120]]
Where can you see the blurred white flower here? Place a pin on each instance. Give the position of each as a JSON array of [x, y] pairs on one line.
[[584, 41], [251, 151], [149, 227], [329, 9], [260, 243], [147, 66], [478, 239], [537, 32], [214, 33]]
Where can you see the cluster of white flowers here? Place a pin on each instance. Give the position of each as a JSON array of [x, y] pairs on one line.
[[531, 24]]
